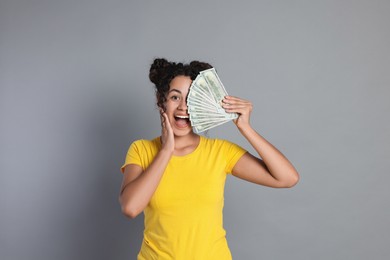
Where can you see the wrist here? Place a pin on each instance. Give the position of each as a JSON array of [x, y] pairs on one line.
[[167, 150], [244, 127]]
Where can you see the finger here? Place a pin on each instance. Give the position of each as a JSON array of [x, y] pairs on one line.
[[239, 112], [232, 103], [234, 99], [237, 106], [235, 102], [167, 124], [164, 118], [241, 109], [234, 109]]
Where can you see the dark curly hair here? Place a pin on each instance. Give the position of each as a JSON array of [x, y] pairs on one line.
[[162, 72]]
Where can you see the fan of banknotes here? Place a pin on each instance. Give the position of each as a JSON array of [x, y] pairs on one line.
[[204, 102]]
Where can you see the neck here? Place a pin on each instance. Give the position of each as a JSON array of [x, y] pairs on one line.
[[186, 144], [187, 140]]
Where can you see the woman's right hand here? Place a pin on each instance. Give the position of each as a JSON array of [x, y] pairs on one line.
[[139, 185], [167, 137]]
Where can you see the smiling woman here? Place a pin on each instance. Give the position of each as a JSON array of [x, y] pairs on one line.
[[178, 178], [176, 105]]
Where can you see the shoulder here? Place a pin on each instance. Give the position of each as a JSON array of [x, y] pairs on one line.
[[145, 144]]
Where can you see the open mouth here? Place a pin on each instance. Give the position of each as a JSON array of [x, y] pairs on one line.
[[182, 121]]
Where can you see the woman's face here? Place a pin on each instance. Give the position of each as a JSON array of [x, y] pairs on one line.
[[176, 105]]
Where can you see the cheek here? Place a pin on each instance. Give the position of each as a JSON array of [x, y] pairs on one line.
[[169, 106]]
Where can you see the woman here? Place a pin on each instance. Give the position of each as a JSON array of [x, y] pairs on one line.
[[178, 179]]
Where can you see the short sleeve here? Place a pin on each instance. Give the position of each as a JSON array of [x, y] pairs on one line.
[[133, 155], [233, 154]]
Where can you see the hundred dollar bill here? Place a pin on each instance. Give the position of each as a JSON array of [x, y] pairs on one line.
[[201, 84], [198, 97], [209, 122], [196, 108], [202, 128], [200, 91], [211, 112], [215, 85], [191, 100], [205, 116], [216, 88], [204, 102], [199, 116], [197, 105]]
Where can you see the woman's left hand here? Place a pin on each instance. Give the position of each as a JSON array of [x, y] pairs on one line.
[[240, 106]]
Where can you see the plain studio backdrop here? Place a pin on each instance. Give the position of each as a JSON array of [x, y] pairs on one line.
[[75, 93]]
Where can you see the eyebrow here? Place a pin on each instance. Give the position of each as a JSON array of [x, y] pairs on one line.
[[176, 90]]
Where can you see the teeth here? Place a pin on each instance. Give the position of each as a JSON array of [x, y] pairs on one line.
[[184, 117]]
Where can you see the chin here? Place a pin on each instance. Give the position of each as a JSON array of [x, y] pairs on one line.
[[182, 132]]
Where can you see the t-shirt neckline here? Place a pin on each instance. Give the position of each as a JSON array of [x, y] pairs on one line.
[[178, 157]]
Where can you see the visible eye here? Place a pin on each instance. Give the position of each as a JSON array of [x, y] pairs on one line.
[[175, 98]]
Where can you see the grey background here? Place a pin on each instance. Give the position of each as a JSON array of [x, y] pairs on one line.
[[75, 93]]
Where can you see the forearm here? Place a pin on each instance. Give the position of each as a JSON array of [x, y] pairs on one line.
[[136, 194], [277, 164]]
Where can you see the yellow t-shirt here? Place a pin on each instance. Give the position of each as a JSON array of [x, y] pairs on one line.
[[183, 220]]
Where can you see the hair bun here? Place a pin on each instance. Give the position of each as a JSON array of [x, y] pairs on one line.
[[158, 70], [198, 66]]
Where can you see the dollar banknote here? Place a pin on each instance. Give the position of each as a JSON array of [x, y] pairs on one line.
[[204, 102]]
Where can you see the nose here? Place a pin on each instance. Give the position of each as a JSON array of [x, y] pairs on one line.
[[183, 105]]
